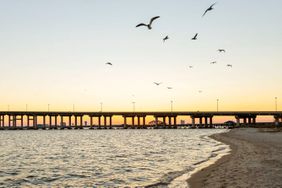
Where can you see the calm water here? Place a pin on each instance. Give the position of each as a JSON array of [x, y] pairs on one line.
[[89, 158]]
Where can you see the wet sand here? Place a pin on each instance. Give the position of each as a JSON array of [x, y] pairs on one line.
[[255, 161]]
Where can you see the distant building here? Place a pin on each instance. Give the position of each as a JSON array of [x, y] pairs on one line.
[[63, 124], [40, 126], [154, 122], [230, 123]]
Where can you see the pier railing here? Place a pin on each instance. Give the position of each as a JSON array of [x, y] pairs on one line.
[[80, 120]]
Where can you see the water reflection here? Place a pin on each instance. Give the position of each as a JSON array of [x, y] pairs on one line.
[[100, 157]]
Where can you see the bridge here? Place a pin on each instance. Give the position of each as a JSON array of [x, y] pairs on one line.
[[69, 120]]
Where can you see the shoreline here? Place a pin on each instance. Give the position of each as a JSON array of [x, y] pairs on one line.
[[182, 181], [179, 178], [254, 160]]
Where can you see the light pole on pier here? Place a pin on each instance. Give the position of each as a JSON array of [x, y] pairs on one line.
[[171, 105], [276, 104], [217, 100], [133, 106], [101, 107]]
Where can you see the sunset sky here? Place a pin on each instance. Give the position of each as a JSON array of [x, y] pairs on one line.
[[54, 52]]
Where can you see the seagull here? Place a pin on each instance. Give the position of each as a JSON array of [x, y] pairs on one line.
[[150, 24], [169, 87], [214, 62], [221, 50], [209, 9], [109, 63], [190, 67], [166, 38], [195, 37], [157, 83], [229, 65]]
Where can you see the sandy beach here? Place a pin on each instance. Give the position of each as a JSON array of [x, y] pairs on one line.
[[255, 161]]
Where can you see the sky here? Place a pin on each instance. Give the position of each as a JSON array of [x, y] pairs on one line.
[[54, 52]]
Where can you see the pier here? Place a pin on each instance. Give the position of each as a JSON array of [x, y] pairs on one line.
[[131, 120]]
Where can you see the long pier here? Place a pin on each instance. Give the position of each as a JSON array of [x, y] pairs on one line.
[[70, 120]]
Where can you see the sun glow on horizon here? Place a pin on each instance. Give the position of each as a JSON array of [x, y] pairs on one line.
[[59, 58]]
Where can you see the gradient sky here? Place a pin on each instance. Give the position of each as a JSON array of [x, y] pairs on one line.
[[54, 52]]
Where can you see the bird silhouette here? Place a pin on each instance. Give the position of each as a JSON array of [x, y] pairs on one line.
[[208, 9], [169, 87], [109, 63], [166, 38], [221, 50], [190, 67], [150, 24], [229, 65], [195, 37], [214, 62], [157, 83]]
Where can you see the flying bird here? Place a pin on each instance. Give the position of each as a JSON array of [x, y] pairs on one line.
[[195, 37], [229, 65], [166, 38], [169, 87], [157, 83], [150, 24], [190, 67], [109, 63], [214, 62], [221, 50], [209, 9]]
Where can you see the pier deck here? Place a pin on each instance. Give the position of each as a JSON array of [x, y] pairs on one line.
[[79, 120]]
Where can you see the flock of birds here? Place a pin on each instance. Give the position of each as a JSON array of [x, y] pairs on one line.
[[195, 37]]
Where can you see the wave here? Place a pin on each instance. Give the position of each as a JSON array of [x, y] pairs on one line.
[[179, 179]]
